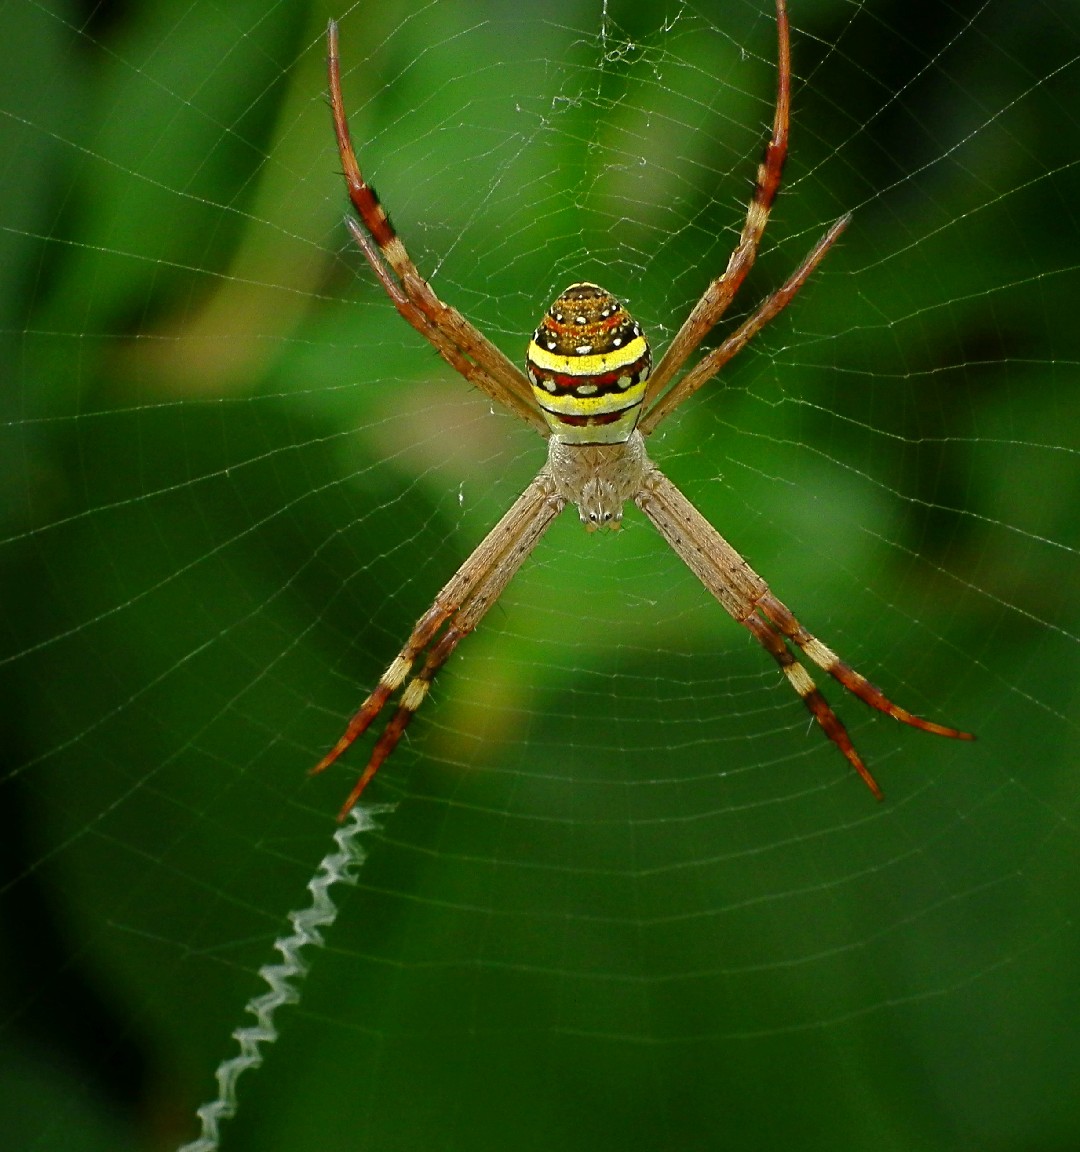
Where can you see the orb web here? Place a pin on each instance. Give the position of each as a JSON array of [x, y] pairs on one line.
[[626, 896]]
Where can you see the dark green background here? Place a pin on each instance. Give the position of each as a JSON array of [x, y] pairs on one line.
[[626, 899]]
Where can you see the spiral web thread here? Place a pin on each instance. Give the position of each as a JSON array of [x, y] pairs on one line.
[[337, 867]]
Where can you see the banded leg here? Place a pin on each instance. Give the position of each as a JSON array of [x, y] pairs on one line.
[[716, 298], [810, 694], [461, 604], [464, 347], [708, 366], [744, 594], [779, 615]]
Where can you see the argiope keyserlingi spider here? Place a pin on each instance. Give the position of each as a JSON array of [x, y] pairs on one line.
[[591, 394]]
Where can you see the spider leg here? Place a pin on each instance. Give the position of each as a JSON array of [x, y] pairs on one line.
[[448, 350], [810, 694], [463, 601], [708, 366], [719, 294], [744, 594], [779, 615], [454, 338]]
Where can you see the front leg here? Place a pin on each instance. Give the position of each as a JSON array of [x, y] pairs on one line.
[[746, 596], [461, 604]]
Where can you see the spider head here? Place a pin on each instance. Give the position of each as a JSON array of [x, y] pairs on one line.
[[598, 478], [588, 362], [600, 504]]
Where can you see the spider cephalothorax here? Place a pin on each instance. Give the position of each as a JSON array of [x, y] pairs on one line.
[[592, 391]]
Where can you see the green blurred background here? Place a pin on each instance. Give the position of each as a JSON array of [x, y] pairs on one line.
[[625, 899]]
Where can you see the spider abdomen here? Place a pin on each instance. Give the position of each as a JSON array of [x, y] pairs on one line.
[[588, 362]]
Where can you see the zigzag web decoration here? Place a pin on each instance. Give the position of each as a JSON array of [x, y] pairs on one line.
[[338, 867]]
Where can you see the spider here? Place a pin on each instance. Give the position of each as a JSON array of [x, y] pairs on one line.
[[592, 393]]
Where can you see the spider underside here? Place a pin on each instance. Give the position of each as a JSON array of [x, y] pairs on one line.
[[592, 393]]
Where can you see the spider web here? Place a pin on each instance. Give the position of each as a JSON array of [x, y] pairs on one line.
[[626, 895]]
